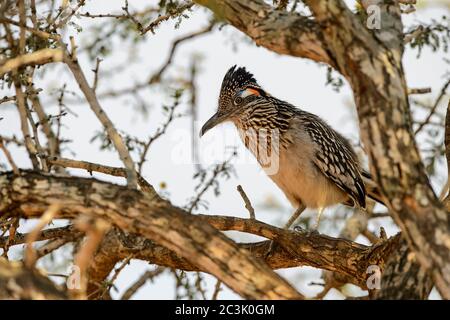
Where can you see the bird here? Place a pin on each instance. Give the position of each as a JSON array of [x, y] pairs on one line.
[[313, 164]]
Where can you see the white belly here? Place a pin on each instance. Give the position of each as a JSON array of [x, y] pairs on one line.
[[294, 173], [301, 181]]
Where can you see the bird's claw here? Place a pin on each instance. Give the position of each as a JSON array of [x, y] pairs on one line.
[[306, 232], [272, 245]]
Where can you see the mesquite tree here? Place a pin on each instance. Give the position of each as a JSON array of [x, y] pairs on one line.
[[109, 224]]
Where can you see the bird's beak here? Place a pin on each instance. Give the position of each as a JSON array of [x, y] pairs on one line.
[[212, 122]]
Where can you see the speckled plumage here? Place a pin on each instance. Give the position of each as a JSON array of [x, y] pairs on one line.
[[317, 165]]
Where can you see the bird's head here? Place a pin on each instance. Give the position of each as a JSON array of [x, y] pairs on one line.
[[239, 90]]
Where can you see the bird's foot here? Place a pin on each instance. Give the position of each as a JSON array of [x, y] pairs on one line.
[[270, 249], [306, 232]]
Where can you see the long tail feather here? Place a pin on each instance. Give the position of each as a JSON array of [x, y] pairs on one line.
[[371, 188]]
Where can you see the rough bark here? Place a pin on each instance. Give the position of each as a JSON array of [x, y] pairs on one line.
[[371, 62], [447, 152], [348, 259], [300, 36], [19, 282], [101, 266], [157, 220], [404, 278], [30, 194]]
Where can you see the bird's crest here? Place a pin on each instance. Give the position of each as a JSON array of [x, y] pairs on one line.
[[237, 78]]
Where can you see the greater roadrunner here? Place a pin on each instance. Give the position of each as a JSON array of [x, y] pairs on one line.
[[310, 162]]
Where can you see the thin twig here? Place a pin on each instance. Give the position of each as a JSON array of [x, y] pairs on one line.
[[22, 22], [42, 34], [90, 167], [8, 157], [194, 110], [157, 76], [117, 15], [218, 169], [419, 90], [217, 289], [434, 107], [113, 134], [176, 12], [52, 141], [370, 236], [159, 132], [95, 230], [132, 18], [63, 21], [22, 108], [7, 99], [96, 71], [14, 140], [248, 204], [114, 277], [33, 13], [41, 153], [47, 234], [148, 275], [55, 244], [46, 218], [13, 225]]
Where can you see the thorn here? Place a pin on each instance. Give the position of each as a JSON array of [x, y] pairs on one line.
[[383, 235]]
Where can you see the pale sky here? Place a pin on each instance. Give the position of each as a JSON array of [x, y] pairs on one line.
[[298, 81]]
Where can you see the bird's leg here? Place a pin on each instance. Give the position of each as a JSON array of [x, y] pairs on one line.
[[288, 224], [295, 216], [319, 214]]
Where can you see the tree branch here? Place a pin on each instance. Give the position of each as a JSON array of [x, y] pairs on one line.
[[154, 219], [300, 36], [39, 57], [113, 135], [404, 278], [18, 282], [346, 257]]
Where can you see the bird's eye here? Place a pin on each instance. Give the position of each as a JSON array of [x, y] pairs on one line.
[[238, 100]]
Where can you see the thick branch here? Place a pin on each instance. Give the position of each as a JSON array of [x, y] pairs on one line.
[[403, 277], [157, 220], [277, 30], [91, 196], [18, 282]]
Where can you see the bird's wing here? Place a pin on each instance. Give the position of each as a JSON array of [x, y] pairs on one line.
[[336, 160]]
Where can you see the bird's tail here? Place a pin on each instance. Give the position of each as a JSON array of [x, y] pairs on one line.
[[372, 190]]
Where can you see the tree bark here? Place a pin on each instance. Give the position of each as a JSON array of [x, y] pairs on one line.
[[371, 62], [130, 210], [404, 278], [277, 30], [19, 282], [29, 195]]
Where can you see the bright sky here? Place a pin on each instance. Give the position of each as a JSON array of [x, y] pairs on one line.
[[298, 81]]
